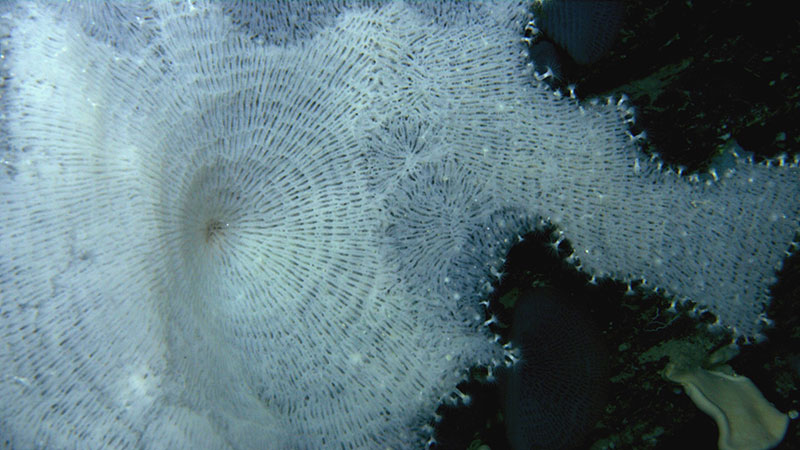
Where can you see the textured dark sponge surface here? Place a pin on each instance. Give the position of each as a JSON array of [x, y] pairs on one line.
[[557, 392]]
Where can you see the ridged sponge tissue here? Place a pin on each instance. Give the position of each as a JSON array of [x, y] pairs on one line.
[[262, 226]]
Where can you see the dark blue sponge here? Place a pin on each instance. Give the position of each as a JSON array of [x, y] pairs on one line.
[[556, 393], [586, 29]]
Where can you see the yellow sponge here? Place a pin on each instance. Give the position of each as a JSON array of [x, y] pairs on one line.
[[746, 420]]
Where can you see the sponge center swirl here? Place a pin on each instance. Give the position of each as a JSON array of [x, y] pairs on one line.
[[234, 216], [255, 235]]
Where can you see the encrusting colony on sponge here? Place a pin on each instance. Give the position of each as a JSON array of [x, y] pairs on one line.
[[230, 233]]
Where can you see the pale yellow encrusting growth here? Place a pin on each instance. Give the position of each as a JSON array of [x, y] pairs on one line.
[[745, 419]]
